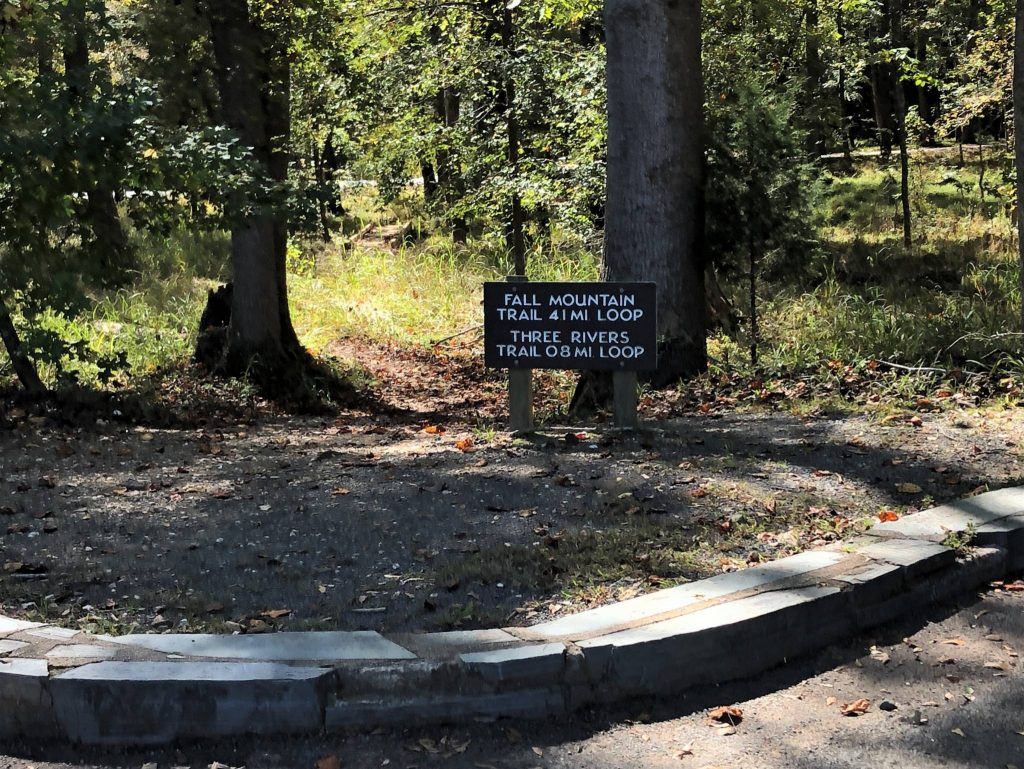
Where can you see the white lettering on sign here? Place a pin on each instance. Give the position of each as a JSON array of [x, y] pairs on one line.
[[600, 337], [592, 300], [521, 300], [512, 313], [600, 326], [546, 337]]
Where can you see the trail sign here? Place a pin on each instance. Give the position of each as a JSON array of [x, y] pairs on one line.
[[586, 326]]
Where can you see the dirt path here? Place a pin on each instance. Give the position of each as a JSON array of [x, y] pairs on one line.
[[953, 675], [427, 517]]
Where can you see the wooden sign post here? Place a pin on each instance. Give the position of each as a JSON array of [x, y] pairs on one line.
[[584, 326], [520, 389]]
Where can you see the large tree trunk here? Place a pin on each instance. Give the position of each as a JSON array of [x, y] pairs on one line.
[[1018, 138], [113, 251], [654, 214], [654, 221], [253, 76], [23, 367]]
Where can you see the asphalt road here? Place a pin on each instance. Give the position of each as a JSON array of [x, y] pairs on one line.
[[951, 672]]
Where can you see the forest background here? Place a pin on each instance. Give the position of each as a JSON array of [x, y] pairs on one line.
[[387, 157]]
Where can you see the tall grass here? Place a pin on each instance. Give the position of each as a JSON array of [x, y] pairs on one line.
[[415, 295]]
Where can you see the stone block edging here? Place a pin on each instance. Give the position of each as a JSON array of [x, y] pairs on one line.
[[61, 684]]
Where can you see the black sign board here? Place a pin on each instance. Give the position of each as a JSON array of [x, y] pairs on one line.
[[597, 326]]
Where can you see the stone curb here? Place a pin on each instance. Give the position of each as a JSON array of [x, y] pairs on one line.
[[60, 684]]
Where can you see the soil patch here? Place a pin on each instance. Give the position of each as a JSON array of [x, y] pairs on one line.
[[428, 516]]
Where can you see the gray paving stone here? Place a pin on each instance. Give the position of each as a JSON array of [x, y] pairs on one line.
[[451, 644], [525, 663], [49, 633], [80, 652], [11, 625], [720, 643], [916, 556], [873, 581], [26, 709], [276, 647], [636, 610], [1006, 532], [155, 703], [985, 565], [6, 647], [936, 523], [528, 704]]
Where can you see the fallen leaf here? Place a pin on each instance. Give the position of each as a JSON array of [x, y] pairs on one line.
[[995, 665], [275, 613], [830, 701], [878, 654], [687, 750], [433, 430], [952, 642], [908, 488], [726, 714], [428, 745], [538, 751], [888, 515], [464, 445], [855, 708], [958, 732], [329, 762]]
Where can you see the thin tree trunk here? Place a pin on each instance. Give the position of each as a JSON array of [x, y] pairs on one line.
[[814, 73], [1018, 138], [881, 78], [23, 367], [113, 250], [448, 106], [514, 232], [321, 183], [900, 104], [901, 135], [844, 106], [429, 181]]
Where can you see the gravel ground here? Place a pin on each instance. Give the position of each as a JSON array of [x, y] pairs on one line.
[[374, 522], [952, 673]]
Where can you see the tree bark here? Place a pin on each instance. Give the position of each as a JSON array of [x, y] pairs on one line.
[[253, 77], [449, 176], [116, 259], [1018, 137], [514, 227], [23, 367], [881, 78], [814, 73], [895, 9], [845, 113], [654, 220]]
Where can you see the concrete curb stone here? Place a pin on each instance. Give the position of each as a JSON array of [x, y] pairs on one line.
[[158, 689], [155, 703]]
